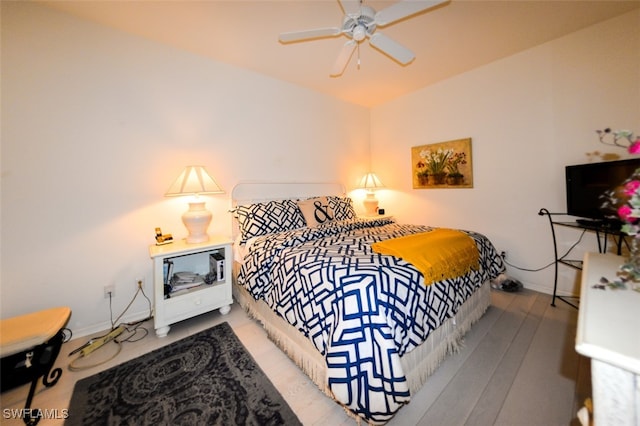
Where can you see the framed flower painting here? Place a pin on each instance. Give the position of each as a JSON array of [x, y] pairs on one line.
[[442, 165]]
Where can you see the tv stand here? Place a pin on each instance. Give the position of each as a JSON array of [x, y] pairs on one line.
[[603, 230]]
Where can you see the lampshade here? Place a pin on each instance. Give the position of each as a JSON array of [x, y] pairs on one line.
[[370, 182], [194, 180]]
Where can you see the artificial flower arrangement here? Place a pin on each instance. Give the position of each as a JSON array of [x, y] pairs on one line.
[[624, 201]]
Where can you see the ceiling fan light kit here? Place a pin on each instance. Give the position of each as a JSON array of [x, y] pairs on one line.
[[360, 23]]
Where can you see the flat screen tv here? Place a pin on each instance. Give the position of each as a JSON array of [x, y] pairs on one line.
[[586, 183]]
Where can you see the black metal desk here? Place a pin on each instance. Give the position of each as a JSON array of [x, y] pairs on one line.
[[602, 229]]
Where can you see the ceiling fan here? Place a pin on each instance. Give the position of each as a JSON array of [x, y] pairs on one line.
[[361, 22]]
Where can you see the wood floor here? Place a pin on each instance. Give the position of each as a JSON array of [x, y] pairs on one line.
[[518, 367]]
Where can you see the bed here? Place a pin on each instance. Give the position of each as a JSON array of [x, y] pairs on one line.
[[367, 327]]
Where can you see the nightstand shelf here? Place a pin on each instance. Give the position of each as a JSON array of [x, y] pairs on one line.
[[183, 304]]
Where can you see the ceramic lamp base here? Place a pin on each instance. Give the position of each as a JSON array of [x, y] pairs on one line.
[[197, 220], [371, 204]]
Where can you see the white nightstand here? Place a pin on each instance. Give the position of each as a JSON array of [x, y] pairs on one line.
[[194, 301], [375, 217]]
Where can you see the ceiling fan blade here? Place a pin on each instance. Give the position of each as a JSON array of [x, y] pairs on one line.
[[309, 34], [392, 48], [350, 7], [343, 58], [402, 9]]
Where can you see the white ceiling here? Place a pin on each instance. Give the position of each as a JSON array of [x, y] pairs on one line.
[[447, 40]]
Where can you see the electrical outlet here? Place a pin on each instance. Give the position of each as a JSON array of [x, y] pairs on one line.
[[109, 290], [139, 283]]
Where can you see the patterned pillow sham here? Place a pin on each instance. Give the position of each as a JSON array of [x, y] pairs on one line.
[[316, 211], [259, 219], [342, 207]]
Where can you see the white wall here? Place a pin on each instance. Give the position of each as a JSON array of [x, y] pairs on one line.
[[528, 115], [96, 124]]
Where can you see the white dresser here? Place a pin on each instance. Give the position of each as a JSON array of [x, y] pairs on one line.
[[609, 334]]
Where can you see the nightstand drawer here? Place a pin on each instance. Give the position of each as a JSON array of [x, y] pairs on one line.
[[202, 299]]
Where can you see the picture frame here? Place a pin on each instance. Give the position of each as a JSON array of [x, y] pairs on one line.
[[442, 165]]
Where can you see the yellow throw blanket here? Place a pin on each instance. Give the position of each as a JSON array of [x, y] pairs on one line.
[[438, 254]]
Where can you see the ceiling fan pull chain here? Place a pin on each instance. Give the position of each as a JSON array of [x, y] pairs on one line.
[[358, 56]]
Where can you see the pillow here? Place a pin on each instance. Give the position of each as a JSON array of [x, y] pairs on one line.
[[316, 211], [266, 218], [342, 207]]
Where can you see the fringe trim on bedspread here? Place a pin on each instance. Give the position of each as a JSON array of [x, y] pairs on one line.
[[418, 364], [313, 368], [312, 365], [447, 339]]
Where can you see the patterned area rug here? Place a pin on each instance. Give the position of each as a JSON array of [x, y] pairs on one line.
[[205, 379]]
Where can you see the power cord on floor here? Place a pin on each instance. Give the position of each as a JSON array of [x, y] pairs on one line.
[[552, 262], [95, 343]]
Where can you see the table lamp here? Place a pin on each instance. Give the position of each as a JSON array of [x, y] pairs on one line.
[[195, 181], [371, 183]]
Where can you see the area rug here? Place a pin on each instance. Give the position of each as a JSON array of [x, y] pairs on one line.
[[205, 379]]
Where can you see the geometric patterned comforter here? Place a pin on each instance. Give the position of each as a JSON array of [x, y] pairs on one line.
[[360, 309]]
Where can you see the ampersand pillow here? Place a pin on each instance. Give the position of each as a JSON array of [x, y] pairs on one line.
[[316, 211]]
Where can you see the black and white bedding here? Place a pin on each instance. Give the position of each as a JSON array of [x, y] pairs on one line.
[[361, 310]]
